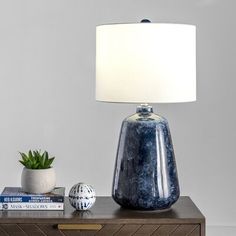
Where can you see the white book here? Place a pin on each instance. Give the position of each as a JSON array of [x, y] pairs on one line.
[[20, 206]]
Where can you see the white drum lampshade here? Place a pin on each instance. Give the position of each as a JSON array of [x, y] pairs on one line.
[[146, 63]]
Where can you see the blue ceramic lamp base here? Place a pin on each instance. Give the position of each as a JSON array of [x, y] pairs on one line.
[[145, 176]]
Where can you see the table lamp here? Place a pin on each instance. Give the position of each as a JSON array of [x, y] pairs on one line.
[[145, 63]]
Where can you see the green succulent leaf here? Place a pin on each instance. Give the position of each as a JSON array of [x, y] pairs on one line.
[[36, 160], [22, 162], [24, 156]]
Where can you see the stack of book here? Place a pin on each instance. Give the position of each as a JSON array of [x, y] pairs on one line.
[[13, 198]]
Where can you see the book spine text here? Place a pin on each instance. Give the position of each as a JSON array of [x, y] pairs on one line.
[[31, 206]]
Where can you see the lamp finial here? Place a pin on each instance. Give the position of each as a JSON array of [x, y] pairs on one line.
[[145, 21]]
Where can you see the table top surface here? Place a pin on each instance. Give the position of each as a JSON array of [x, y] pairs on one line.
[[105, 210]]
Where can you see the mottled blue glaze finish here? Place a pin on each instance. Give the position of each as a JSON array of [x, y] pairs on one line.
[[145, 176]]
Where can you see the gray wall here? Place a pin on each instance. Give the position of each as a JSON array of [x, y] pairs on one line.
[[47, 82]]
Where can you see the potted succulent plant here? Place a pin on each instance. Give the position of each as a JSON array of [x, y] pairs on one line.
[[38, 176]]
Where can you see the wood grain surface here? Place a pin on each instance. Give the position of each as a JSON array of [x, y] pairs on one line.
[[106, 218], [106, 230]]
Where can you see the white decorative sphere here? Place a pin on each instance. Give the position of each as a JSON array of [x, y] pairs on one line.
[[82, 196]]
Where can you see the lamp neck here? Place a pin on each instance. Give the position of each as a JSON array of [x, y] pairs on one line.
[[144, 109]]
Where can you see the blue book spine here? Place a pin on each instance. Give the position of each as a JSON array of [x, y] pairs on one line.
[[31, 199]]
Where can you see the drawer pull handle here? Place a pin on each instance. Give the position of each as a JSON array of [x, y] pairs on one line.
[[79, 226]]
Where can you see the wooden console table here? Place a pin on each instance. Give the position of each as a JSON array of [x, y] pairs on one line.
[[106, 218]]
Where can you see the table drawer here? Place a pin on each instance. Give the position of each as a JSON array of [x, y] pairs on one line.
[[100, 229]]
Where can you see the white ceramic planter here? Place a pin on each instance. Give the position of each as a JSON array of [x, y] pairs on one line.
[[38, 181]]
